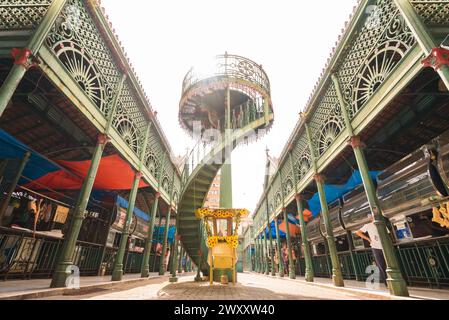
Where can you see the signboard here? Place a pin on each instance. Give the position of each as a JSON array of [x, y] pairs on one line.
[[61, 214]]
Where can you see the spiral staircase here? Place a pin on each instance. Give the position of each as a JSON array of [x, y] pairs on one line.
[[233, 101]]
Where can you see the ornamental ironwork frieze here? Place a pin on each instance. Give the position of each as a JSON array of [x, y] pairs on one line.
[[432, 12], [79, 45], [22, 14]]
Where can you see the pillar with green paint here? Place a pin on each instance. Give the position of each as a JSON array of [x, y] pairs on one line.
[[337, 276], [65, 261], [396, 282], [24, 58], [279, 247], [117, 273]]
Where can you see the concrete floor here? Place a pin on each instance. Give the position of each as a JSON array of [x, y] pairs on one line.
[[251, 286]]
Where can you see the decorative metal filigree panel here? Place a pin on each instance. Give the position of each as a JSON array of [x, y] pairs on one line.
[[22, 14], [376, 51], [287, 178], [277, 192], [302, 160], [154, 153], [327, 122], [432, 12], [129, 120], [271, 201], [167, 177], [77, 42]]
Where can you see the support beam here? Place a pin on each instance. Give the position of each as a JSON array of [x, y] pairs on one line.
[[291, 268], [265, 243], [65, 262], [305, 244], [337, 276], [24, 58], [270, 235], [174, 262], [279, 248], [421, 33], [396, 282], [300, 207], [117, 273], [145, 268], [162, 267]]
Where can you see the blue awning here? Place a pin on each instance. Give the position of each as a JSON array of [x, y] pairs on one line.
[[139, 213], [282, 234], [334, 192], [158, 234]]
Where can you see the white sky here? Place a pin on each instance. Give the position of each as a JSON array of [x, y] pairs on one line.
[[292, 39]]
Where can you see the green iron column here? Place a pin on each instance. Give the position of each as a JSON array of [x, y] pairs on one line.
[[145, 268], [4, 205], [270, 235], [226, 169], [117, 273], [337, 276], [278, 242], [65, 261], [174, 254], [261, 257], [422, 35], [352, 256], [162, 266], [300, 206], [256, 255], [181, 256], [291, 269], [305, 243], [174, 264], [396, 282], [261, 262], [24, 58], [265, 243]]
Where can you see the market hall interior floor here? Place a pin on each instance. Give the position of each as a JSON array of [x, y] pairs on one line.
[[249, 287]]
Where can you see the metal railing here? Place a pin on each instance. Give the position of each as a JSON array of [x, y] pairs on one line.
[[242, 116], [422, 263], [228, 66], [25, 257]]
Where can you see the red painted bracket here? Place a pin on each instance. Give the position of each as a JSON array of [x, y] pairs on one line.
[[24, 57], [437, 58]]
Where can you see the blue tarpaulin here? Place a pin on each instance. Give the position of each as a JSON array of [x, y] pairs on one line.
[[37, 166], [158, 234], [334, 192], [282, 234], [139, 213]]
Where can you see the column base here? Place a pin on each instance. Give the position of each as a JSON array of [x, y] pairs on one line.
[[292, 275], [145, 273], [337, 279], [309, 277], [173, 280], [396, 284], [198, 279], [117, 275], [61, 276]]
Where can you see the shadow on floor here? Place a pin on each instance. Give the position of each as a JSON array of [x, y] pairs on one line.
[[203, 291]]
